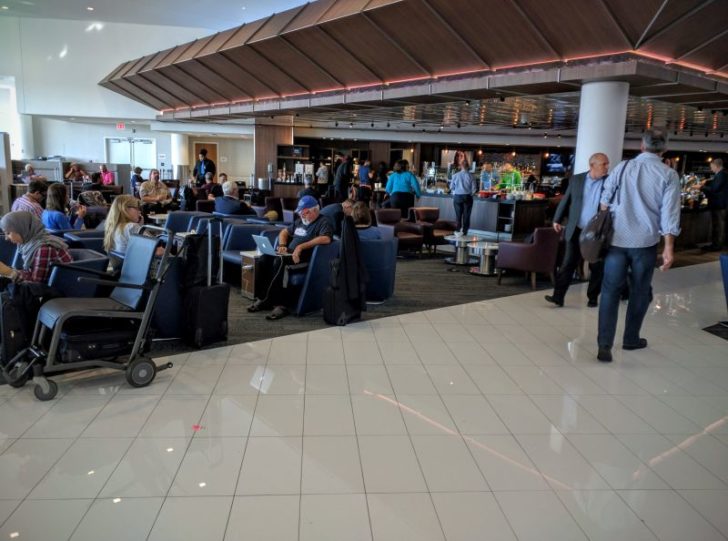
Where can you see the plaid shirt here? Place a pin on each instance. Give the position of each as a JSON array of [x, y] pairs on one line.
[[44, 257], [27, 204]]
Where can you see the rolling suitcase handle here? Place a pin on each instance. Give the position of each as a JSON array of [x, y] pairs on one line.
[[210, 253]]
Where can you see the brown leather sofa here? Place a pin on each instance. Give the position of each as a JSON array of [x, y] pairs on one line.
[[411, 236], [435, 229], [538, 256]]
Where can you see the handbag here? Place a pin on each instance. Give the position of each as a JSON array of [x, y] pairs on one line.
[[596, 237]]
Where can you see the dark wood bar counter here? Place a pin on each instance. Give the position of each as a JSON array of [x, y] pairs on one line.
[[694, 228], [495, 216], [287, 189]]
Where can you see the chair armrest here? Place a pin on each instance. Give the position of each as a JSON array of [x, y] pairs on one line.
[[113, 284], [409, 227], [73, 267], [445, 224]]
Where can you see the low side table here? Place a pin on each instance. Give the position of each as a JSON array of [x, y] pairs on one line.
[[462, 257], [488, 252], [250, 266]]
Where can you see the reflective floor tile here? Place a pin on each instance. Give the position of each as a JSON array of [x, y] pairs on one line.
[[669, 516], [396, 517], [7, 507], [658, 415], [271, 466], [287, 353], [471, 353], [122, 417], [328, 416], [706, 450], [283, 379], [621, 468], [504, 463], [42, 520], [471, 516], [567, 415], [473, 415], [614, 415], [573, 381], [390, 465], [83, 470], [508, 354], [520, 415], [174, 417], [434, 353], [68, 418], [452, 380], [147, 469], [120, 519], [326, 379], [538, 515], [334, 517], [396, 352], [533, 380], [363, 353], [227, 416], [331, 465], [192, 519], [210, 467], [492, 380], [425, 414], [711, 504], [278, 416], [26, 462], [447, 464], [365, 379], [377, 415], [193, 379], [239, 380], [604, 516], [21, 412], [263, 518], [410, 379]]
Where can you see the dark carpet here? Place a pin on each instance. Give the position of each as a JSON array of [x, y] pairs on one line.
[[719, 329]]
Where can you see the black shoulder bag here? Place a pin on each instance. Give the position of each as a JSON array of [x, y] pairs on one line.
[[596, 237]]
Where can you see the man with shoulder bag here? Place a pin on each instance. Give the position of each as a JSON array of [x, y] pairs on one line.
[[582, 203], [647, 206]]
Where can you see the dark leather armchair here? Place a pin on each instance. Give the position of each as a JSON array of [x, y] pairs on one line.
[[435, 229], [538, 256], [411, 236], [204, 205]]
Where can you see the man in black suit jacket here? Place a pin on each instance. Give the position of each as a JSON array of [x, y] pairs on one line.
[[717, 192], [581, 200], [202, 166]]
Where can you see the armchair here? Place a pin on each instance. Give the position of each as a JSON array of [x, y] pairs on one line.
[[435, 229], [410, 235], [538, 256]]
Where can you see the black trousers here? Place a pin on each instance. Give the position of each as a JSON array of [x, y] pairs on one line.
[[402, 201], [568, 266], [717, 226], [279, 292], [463, 207]]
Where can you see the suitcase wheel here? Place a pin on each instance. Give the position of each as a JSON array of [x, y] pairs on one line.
[[45, 389], [15, 380], [140, 372]]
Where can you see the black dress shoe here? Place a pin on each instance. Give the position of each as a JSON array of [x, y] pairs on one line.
[[554, 300], [605, 355], [639, 345], [592, 304]]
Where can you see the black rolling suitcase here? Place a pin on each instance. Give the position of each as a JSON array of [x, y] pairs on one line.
[[206, 307]]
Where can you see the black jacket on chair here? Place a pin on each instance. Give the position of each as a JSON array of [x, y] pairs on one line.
[[571, 202]]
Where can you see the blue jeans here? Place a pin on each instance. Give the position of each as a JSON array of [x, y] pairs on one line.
[[641, 263]]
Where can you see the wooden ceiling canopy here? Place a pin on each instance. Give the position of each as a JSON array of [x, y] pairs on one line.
[[414, 50]]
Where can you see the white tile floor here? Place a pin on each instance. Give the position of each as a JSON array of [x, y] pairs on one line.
[[490, 420]]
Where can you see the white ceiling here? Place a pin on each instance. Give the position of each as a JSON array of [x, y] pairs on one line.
[[191, 13]]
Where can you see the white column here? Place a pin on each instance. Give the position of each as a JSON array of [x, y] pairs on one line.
[[602, 116], [179, 156], [24, 149]]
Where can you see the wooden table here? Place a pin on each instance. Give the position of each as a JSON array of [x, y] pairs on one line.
[[158, 218]]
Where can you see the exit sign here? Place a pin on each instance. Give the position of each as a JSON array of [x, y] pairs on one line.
[[120, 126]]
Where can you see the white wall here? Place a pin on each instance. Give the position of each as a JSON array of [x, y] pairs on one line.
[[85, 142], [57, 64], [239, 154]]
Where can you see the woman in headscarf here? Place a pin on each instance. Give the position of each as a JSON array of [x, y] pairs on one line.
[[39, 248]]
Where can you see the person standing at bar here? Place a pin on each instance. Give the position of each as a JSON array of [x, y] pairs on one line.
[[646, 206], [203, 166], [342, 179], [510, 178], [462, 187], [717, 192], [582, 203], [488, 177]]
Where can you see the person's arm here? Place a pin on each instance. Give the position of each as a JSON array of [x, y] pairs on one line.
[[670, 218], [283, 239], [415, 184], [7, 271], [561, 209], [309, 245], [390, 184], [40, 267], [610, 186]]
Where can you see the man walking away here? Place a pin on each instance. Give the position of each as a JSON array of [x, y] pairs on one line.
[[646, 206], [717, 192], [582, 203]]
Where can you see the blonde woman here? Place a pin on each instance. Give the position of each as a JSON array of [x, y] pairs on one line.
[[124, 220]]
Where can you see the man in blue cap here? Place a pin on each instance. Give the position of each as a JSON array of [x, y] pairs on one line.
[[295, 246]]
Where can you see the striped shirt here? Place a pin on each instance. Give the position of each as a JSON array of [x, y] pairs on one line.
[[648, 203], [463, 183], [27, 204]]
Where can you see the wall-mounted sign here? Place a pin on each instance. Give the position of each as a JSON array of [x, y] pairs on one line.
[[162, 156], [223, 159], [120, 126]]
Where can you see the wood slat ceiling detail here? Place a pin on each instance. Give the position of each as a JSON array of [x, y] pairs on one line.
[[339, 45]]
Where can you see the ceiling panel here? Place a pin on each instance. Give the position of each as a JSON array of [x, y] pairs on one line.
[[197, 90], [268, 73], [243, 34], [310, 15], [275, 25], [180, 92], [343, 8], [297, 65], [194, 48], [633, 16]]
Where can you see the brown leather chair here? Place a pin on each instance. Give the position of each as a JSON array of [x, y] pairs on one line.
[[435, 229], [289, 203], [410, 236], [538, 256]]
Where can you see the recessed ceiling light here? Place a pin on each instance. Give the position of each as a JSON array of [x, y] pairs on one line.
[[4, 7], [89, 8], [244, 7]]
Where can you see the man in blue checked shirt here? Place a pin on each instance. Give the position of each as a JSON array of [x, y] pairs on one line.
[[646, 206]]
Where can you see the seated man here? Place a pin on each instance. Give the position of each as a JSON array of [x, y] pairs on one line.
[[295, 247], [210, 189], [30, 201], [229, 202], [154, 194]]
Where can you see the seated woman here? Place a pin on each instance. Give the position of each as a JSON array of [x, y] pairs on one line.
[[75, 173], [123, 221], [363, 222], [55, 217], [39, 248]]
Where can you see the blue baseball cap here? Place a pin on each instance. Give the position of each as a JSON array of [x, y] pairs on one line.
[[306, 202]]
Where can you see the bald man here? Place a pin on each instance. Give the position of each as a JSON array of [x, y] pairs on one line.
[[581, 201]]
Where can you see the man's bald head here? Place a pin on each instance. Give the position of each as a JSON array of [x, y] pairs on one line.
[[598, 165]]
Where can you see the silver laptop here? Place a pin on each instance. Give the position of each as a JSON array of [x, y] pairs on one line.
[[265, 247]]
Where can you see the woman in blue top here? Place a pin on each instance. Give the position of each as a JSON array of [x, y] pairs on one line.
[[402, 188], [55, 217]]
